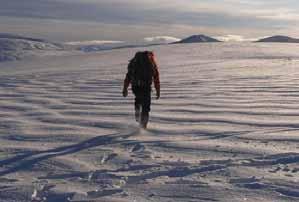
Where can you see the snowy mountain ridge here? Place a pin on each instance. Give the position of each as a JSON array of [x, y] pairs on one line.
[[14, 47]]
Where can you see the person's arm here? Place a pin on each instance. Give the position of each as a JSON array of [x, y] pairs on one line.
[[157, 81], [156, 75], [127, 82]]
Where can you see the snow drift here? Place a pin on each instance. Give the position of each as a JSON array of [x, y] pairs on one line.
[[226, 128]]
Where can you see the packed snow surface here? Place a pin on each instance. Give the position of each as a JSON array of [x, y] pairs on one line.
[[225, 129]]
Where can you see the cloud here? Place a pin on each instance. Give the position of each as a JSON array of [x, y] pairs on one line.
[[234, 38], [161, 39], [158, 12], [132, 20], [230, 38], [282, 16]]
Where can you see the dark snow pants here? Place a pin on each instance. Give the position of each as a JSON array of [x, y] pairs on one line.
[[142, 99]]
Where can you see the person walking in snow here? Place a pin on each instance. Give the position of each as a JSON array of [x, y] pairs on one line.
[[142, 71]]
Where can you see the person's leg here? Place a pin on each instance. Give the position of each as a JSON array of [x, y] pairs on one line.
[[137, 109], [138, 103], [146, 104]]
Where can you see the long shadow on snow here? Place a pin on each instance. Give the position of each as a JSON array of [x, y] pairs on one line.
[[27, 160], [176, 172]]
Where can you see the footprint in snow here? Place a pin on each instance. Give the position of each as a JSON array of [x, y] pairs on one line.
[[138, 148]]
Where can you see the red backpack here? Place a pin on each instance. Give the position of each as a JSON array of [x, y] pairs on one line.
[[141, 69]]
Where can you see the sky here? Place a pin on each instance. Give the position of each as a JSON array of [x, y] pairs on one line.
[[148, 20]]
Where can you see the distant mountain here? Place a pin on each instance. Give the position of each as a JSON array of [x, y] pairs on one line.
[[14, 47], [279, 39], [198, 39]]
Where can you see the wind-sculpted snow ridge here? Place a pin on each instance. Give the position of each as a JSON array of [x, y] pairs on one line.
[[225, 129]]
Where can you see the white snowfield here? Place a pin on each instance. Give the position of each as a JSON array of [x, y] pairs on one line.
[[225, 129]]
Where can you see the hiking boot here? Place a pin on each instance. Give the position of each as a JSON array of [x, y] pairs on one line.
[[137, 115]]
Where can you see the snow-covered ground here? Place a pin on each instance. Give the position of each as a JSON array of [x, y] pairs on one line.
[[225, 129]]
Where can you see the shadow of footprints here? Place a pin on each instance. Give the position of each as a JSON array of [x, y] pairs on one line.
[[248, 183], [102, 193]]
